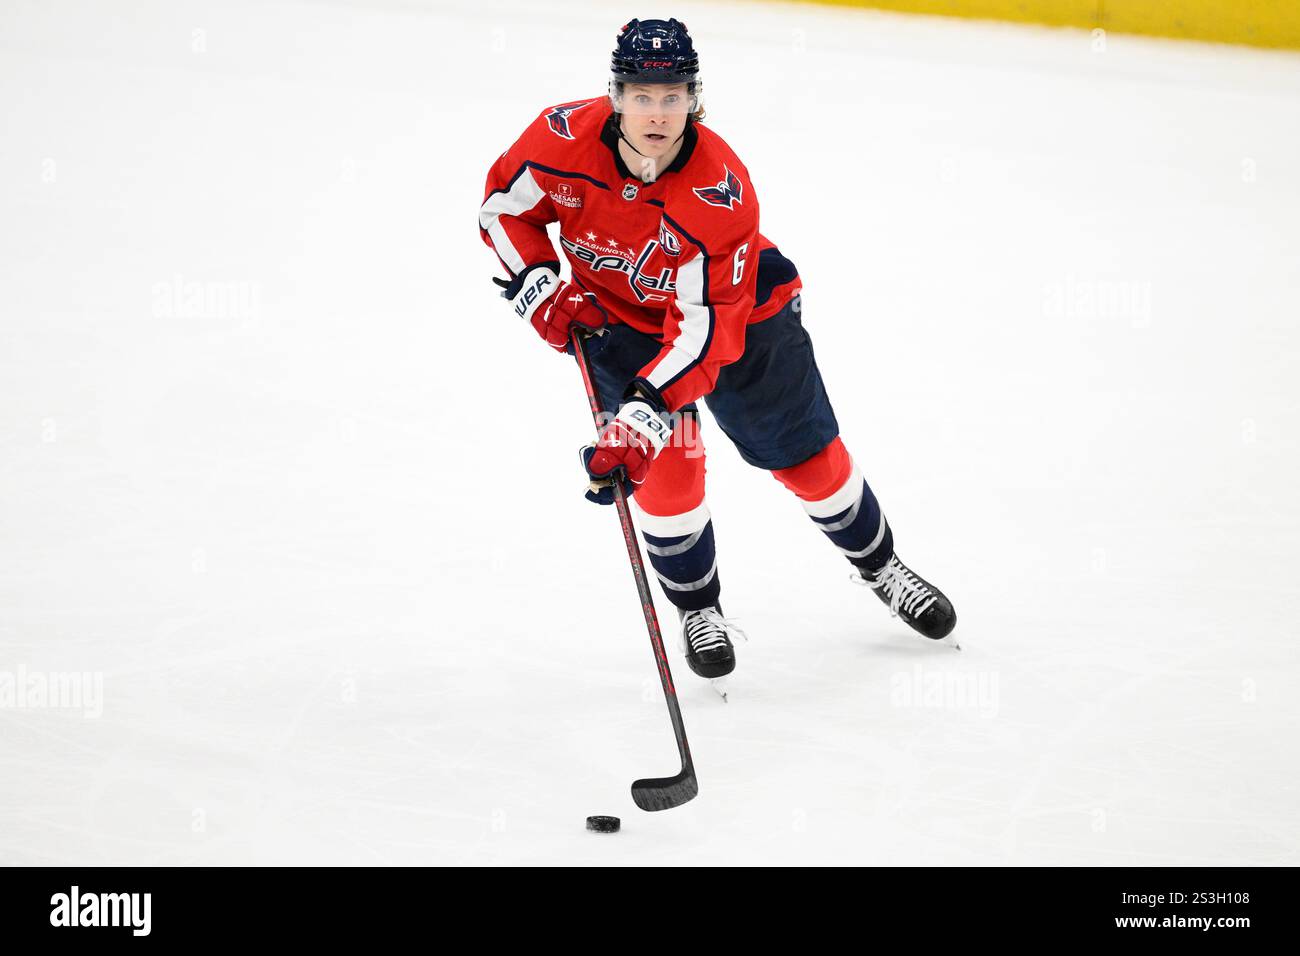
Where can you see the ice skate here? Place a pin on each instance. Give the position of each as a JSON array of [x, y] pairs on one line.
[[910, 597], [706, 638]]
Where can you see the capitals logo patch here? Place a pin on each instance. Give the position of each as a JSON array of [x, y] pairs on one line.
[[558, 118], [725, 194]]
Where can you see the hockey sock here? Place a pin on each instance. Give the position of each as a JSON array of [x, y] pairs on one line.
[[682, 554], [840, 502]]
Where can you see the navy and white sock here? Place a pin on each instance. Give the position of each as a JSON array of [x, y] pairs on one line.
[[852, 519], [682, 554]]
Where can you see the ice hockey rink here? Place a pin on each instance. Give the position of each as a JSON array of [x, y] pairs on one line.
[[253, 375]]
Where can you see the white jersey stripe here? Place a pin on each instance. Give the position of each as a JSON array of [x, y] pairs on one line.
[[522, 196], [693, 330]]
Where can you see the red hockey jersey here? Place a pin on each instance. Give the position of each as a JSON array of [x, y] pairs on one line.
[[680, 258]]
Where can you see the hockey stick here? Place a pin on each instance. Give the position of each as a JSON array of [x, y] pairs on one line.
[[654, 793]]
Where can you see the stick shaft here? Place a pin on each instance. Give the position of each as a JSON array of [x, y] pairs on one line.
[[638, 568]]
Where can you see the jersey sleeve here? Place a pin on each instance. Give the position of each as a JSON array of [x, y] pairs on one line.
[[515, 210], [705, 326]]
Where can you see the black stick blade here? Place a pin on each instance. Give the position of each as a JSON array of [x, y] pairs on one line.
[[664, 793]]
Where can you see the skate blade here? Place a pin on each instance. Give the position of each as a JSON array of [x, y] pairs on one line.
[[719, 685]]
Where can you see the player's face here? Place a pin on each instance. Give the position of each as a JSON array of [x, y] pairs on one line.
[[654, 116]]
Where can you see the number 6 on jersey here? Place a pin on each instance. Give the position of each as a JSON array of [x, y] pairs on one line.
[[738, 263]]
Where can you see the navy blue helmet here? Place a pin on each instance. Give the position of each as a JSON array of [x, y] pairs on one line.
[[654, 51]]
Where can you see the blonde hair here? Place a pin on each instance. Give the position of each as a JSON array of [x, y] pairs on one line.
[[698, 93]]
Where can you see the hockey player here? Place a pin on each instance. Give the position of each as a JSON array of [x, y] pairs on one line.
[[660, 226]]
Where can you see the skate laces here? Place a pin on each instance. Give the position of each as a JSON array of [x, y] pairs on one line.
[[903, 588], [707, 629]]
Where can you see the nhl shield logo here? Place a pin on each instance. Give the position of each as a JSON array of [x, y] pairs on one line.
[[630, 190]]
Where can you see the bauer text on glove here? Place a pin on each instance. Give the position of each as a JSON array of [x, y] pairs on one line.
[[627, 445], [552, 307]]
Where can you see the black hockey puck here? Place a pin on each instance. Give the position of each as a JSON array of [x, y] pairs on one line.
[[603, 824]]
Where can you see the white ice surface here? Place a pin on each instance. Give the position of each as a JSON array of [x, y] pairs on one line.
[[334, 625]]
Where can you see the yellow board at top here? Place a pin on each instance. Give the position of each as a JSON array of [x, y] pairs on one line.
[[1266, 23]]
